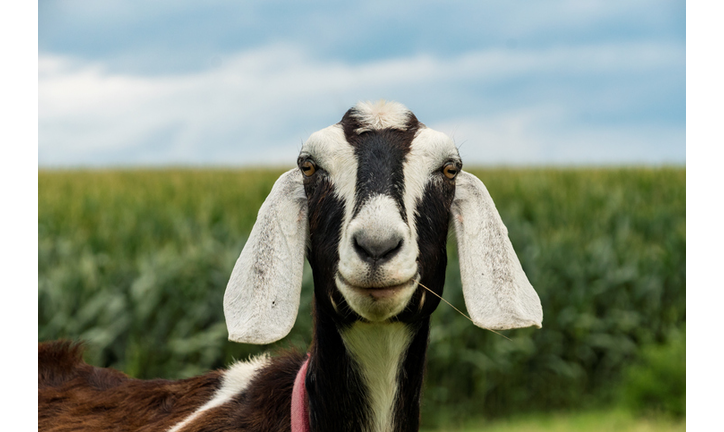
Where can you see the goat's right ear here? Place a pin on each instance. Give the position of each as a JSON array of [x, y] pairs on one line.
[[262, 297], [496, 290]]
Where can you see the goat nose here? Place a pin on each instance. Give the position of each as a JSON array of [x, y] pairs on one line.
[[376, 249]]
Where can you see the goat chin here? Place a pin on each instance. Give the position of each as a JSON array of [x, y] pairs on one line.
[[369, 207], [377, 303]]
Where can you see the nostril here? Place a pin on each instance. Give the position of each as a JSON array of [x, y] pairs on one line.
[[390, 253], [375, 249]]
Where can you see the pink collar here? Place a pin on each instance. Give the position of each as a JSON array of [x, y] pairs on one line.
[[300, 405]]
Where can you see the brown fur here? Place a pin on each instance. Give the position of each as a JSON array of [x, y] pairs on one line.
[[265, 406], [75, 396]]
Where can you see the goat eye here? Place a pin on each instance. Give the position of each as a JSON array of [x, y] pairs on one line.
[[308, 167], [450, 170]]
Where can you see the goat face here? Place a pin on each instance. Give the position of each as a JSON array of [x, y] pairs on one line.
[[379, 186], [369, 205]]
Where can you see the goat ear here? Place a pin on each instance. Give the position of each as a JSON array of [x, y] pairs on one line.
[[497, 293], [262, 297]]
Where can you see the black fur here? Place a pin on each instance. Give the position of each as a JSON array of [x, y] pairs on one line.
[[326, 213], [335, 389], [380, 158], [432, 220], [334, 386]]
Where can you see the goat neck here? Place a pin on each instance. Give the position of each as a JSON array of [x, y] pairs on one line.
[[355, 380], [371, 192]]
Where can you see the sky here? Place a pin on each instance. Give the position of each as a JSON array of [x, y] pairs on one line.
[[126, 83], [228, 83]]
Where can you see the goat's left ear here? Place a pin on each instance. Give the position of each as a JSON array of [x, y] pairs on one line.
[[497, 293], [262, 297]]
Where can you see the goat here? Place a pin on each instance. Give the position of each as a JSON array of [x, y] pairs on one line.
[[369, 207]]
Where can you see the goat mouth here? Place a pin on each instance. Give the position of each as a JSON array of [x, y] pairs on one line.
[[379, 292]]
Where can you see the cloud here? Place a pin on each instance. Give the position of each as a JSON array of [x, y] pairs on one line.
[[164, 36], [543, 136], [257, 106]]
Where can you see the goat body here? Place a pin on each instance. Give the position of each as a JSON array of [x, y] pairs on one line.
[[74, 396], [369, 207]]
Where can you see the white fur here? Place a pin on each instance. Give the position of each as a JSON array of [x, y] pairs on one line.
[[378, 351], [497, 292], [262, 297], [378, 218], [429, 151], [332, 153], [235, 380], [381, 115]]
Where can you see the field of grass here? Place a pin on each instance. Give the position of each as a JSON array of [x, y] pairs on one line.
[[135, 263], [589, 421]]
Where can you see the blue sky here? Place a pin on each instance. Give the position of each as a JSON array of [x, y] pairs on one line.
[[125, 83]]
